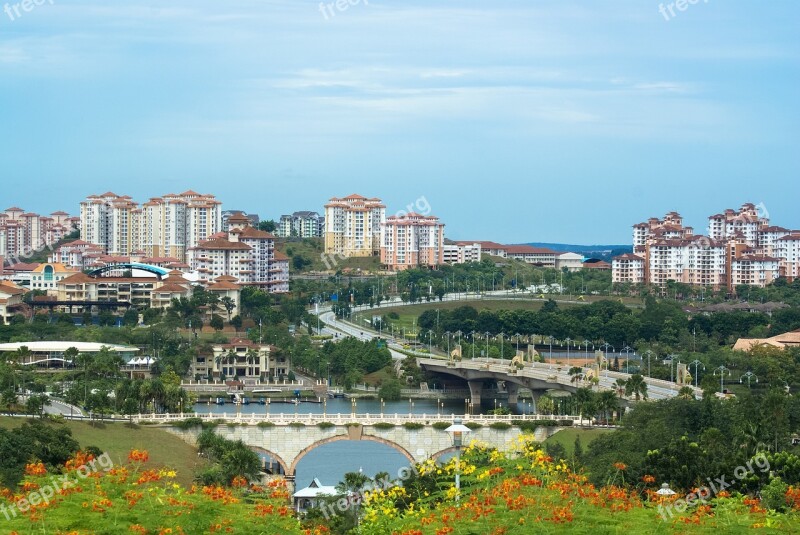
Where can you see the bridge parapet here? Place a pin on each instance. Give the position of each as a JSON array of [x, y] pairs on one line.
[[344, 419]]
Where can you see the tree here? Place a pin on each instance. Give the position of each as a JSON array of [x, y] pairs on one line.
[[268, 225], [608, 404], [130, 318], [390, 390], [619, 387], [636, 387], [36, 403], [228, 304], [216, 322], [545, 405]]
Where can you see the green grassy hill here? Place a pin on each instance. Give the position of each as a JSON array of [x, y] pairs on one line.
[[117, 439]]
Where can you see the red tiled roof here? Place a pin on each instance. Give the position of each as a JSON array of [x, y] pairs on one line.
[[528, 249], [221, 244]]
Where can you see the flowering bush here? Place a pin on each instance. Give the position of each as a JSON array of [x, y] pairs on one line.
[[135, 499]]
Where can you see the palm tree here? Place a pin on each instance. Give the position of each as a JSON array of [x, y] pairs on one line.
[[686, 392], [251, 359], [751, 441], [608, 403], [229, 305], [231, 358], [620, 386], [585, 402], [636, 387]]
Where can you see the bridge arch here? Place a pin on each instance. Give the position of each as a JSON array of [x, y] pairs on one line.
[[274, 456], [157, 271], [438, 455], [394, 445]]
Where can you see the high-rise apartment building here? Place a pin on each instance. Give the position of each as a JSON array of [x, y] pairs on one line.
[[412, 240], [162, 227], [353, 226], [245, 253], [303, 224], [22, 233], [741, 249]]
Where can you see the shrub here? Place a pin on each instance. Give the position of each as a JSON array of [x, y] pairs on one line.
[[527, 426], [565, 423], [413, 426], [188, 423], [383, 425], [326, 425], [265, 425], [441, 426], [296, 424], [473, 425], [500, 426]]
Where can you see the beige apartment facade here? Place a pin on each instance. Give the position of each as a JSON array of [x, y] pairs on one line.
[[353, 226], [412, 240]]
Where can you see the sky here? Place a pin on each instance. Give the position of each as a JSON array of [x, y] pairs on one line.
[[514, 121]]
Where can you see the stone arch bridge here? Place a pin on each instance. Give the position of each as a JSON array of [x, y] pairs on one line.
[[288, 438]]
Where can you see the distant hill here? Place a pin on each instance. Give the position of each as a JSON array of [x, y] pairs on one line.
[[604, 252]]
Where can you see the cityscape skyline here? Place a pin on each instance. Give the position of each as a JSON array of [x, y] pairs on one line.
[[558, 111]]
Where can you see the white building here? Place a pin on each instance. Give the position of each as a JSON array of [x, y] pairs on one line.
[[162, 227], [787, 249], [245, 253], [303, 224], [461, 253], [570, 261]]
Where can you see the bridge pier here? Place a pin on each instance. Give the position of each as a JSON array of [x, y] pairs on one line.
[[513, 393], [475, 388]]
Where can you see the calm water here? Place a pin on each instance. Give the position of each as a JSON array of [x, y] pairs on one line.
[[331, 461]]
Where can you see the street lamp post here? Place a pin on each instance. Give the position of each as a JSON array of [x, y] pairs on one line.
[[749, 376], [586, 345], [458, 430], [502, 337], [627, 350], [672, 358], [568, 341], [649, 354], [696, 363], [722, 370], [551, 349], [487, 346]]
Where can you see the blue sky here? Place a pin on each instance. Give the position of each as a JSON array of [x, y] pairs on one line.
[[516, 120]]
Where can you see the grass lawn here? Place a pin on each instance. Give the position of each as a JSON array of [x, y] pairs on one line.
[[567, 438], [117, 439]]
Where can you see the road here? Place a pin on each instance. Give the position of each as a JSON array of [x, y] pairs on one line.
[[656, 389]]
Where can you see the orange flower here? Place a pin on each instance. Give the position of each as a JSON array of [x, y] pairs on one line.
[[621, 466], [35, 469], [648, 479], [138, 456]]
